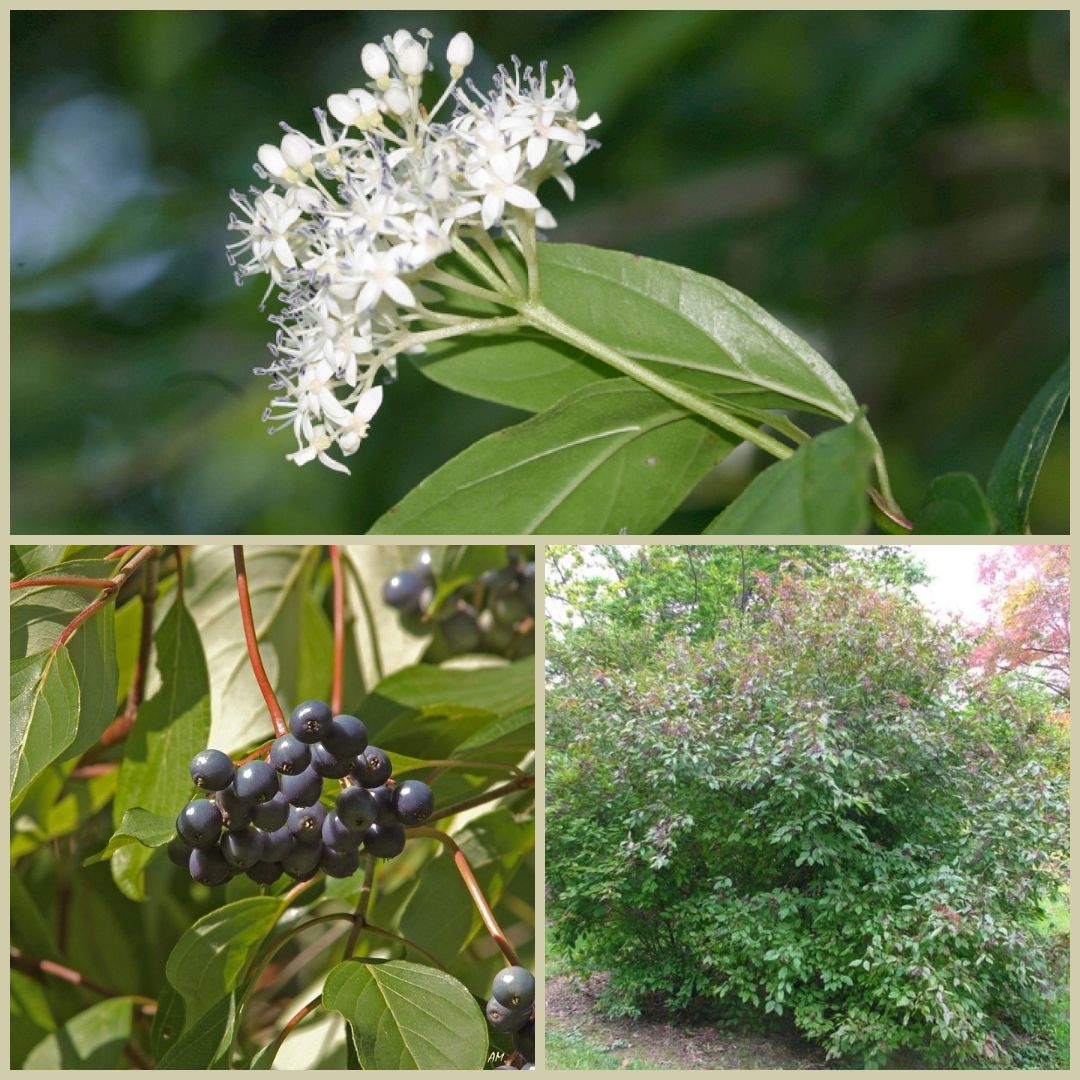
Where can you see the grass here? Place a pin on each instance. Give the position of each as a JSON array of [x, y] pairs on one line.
[[572, 1051]]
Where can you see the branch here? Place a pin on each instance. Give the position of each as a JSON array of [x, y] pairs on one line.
[[491, 924], [520, 784], [339, 629], [109, 584], [368, 928], [277, 717], [359, 916], [310, 1007], [40, 968]]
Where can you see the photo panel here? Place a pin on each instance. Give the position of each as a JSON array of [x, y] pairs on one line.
[[807, 806]]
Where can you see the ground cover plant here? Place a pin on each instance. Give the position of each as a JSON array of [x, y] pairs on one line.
[[817, 808], [809, 245], [262, 816]]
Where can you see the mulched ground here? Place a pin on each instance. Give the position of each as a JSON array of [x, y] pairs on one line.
[[569, 1006]]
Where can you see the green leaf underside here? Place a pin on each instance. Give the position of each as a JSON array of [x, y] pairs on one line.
[[684, 325], [211, 956], [173, 726], [138, 826], [407, 1016], [1016, 471], [955, 503], [93, 1039], [616, 456], [205, 1043], [821, 488]]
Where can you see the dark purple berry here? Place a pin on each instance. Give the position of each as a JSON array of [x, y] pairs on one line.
[[525, 1041], [237, 812], [209, 867], [303, 860], [383, 797], [243, 848], [200, 823], [310, 721], [289, 755], [372, 767], [460, 632], [425, 566], [277, 844], [271, 814], [340, 864], [514, 988], [413, 802], [179, 851], [356, 807], [346, 737], [337, 836], [384, 841], [211, 770], [302, 790], [265, 873], [256, 782], [503, 1019], [306, 822], [326, 765], [403, 591]]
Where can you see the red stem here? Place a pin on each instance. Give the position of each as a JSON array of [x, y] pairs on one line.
[[89, 582], [88, 772], [339, 629], [258, 752], [116, 553], [478, 898], [277, 717]]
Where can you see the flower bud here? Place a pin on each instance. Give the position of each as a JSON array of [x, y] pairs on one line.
[[397, 100], [401, 39], [412, 59], [459, 54], [344, 109], [296, 150], [273, 160], [374, 62]]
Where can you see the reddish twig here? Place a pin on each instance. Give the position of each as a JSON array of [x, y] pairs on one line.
[[277, 717], [491, 924], [520, 784], [109, 584], [95, 606], [88, 772], [369, 929], [39, 968], [339, 629], [310, 1007], [258, 752], [119, 552]]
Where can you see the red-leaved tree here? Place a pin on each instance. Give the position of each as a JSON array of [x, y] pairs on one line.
[[1027, 628]]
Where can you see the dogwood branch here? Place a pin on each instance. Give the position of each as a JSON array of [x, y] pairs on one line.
[[339, 629], [277, 717]]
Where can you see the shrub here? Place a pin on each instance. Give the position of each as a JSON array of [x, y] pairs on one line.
[[814, 815]]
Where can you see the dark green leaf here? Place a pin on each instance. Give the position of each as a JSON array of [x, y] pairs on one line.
[[821, 488], [205, 1044], [407, 1016], [138, 826], [93, 1039], [1016, 471], [168, 1020], [172, 727], [616, 456], [211, 957], [955, 503]]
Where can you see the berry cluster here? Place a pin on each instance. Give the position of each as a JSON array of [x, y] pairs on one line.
[[493, 614], [265, 818], [510, 1010]]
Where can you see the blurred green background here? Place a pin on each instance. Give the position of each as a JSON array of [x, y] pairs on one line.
[[894, 186]]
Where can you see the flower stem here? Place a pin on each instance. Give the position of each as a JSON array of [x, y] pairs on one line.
[[527, 231], [441, 277], [478, 266], [498, 260], [535, 314]]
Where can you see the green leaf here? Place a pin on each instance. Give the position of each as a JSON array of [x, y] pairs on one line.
[[211, 957], [138, 826], [954, 503], [168, 1022], [94, 1039], [821, 488], [44, 715], [407, 1016], [1012, 481], [27, 559], [682, 324], [172, 727], [279, 579], [31, 1016], [29, 930], [205, 1044], [616, 456]]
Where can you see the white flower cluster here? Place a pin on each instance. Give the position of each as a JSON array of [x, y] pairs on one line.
[[354, 219]]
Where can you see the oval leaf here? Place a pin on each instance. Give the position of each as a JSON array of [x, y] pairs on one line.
[[205, 1044], [685, 325], [407, 1016], [1016, 471], [94, 1039], [821, 488], [139, 826], [210, 958], [614, 457], [954, 503]]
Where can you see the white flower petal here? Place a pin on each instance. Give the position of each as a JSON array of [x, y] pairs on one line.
[[519, 196]]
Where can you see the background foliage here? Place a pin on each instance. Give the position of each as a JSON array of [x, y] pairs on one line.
[[815, 807], [891, 185], [120, 914]]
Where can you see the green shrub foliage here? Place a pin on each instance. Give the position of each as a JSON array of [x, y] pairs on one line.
[[821, 815]]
